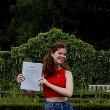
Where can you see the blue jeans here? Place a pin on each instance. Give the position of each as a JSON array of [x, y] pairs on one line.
[[66, 105]]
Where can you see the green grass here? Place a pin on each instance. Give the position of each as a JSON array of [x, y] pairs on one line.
[[26, 101], [20, 100]]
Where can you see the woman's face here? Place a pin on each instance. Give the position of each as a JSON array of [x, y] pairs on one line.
[[59, 56]]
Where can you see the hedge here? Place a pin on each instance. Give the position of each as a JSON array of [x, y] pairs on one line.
[[88, 65]]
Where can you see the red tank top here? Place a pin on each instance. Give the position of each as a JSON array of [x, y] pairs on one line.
[[58, 79]]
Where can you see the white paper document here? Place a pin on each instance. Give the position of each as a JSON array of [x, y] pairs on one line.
[[32, 73]]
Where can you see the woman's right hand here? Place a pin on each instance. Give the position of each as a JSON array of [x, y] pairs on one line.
[[20, 78]]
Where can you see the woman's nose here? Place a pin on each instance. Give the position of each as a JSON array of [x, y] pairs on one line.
[[63, 56]]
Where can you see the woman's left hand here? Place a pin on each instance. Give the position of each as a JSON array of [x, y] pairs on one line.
[[43, 81]]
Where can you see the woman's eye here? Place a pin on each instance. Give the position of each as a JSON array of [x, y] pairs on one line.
[[62, 54], [59, 53]]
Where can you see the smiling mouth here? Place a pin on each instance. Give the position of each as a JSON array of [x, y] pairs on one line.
[[61, 59]]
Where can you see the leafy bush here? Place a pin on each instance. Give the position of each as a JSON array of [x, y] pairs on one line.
[[5, 70], [88, 65], [38, 47]]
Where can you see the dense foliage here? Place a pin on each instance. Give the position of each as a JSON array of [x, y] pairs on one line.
[[23, 19], [5, 70], [88, 65]]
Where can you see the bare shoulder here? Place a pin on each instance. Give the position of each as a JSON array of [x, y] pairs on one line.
[[68, 73]]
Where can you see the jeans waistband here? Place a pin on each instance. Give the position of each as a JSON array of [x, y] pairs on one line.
[[63, 103]]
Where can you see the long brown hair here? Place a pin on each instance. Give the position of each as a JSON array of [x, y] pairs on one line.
[[49, 65]]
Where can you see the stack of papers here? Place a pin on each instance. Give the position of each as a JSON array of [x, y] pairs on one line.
[[32, 73]]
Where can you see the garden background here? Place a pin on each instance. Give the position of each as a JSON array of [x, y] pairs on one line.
[[28, 33]]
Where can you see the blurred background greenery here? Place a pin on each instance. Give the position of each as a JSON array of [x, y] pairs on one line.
[[29, 27], [23, 19]]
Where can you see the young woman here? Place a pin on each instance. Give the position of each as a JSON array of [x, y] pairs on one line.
[[56, 80]]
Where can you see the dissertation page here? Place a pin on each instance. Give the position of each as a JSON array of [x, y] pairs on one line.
[[32, 73]]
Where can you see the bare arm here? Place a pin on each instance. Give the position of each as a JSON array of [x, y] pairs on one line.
[[68, 91]]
